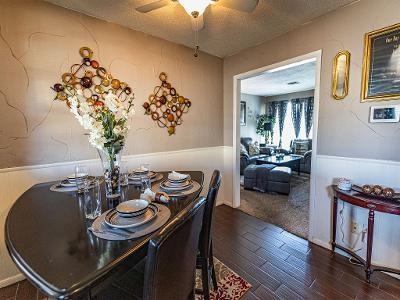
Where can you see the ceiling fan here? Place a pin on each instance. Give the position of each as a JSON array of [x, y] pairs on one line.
[[196, 9]]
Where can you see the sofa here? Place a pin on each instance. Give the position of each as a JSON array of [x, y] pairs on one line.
[[246, 159], [305, 162]]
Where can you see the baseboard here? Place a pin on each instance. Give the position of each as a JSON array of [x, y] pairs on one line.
[[11, 280], [321, 243]]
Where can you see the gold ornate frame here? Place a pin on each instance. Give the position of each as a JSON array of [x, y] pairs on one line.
[[335, 75], [366, 65]]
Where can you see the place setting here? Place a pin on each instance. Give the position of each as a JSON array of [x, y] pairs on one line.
[[130, 219], [177, 184], [78, 181], [143, 173]]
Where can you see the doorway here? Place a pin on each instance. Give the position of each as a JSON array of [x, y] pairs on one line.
[[239, 118]]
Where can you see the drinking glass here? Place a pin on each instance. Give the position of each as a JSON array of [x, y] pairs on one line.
[[82, 178], [124, 179], [145, 183], [92, 200], [145, 166]]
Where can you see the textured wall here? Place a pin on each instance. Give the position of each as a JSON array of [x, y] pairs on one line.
[[343, 125], [255, 105], [39, 42]]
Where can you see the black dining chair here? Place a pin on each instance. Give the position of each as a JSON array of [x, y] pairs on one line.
[[205, 260], [168, 272]]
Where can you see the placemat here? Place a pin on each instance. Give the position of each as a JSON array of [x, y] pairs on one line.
[[64, 189], [158, 177], [196, 186], [102, 230]]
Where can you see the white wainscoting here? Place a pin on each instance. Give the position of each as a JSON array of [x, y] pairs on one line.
[[14, 181], [386, 249]]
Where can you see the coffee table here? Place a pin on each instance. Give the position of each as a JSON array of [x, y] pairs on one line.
[[287, 161]]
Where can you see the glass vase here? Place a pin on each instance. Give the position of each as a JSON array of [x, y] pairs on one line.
[[111, 162]]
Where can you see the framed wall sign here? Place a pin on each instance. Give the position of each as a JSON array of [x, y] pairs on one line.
[[242, 113], [381, 68], [385, 114]]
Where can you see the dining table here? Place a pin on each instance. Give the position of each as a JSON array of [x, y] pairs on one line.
[[47, 236]]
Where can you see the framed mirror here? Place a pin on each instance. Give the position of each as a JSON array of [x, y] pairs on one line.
[[340, 80]]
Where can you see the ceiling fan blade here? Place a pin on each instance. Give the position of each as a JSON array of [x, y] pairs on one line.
[[242, 5], [152, 6], [197, 23]]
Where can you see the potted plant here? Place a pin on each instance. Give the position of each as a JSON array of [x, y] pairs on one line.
[[265, 127]]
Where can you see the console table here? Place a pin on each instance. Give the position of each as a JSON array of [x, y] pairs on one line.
[[372, 204]]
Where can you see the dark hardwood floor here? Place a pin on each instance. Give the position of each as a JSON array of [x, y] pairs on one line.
[[278, 265]]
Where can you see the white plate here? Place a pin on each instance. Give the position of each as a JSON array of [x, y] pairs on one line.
[[114, 219], [175, 188], [132, 206], [168, 183], [178, 177], [137, 177]]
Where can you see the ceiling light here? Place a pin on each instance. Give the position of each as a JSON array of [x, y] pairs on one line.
[[299, 63], [195, 8]]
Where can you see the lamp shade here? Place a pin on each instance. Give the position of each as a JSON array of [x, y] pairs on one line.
[[192, 6], [268, 126]]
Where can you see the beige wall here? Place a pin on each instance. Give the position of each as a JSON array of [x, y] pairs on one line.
[[343, 125], [40, 41], [291, 96], [255, 105]]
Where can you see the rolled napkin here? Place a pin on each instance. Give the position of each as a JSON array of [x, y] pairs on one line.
[[177, 176], [150, 196]]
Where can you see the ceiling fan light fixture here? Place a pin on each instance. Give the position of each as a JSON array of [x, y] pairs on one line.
[[195, 8]]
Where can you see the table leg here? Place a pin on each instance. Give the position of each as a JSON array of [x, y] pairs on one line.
[[370, 239], [334, 218]]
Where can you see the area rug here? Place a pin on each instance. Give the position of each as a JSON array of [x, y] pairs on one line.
[[288, 212], [230, 285]]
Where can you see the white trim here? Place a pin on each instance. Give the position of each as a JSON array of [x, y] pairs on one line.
[[236, 132], [11, 280], [359, 159], [69, 163]]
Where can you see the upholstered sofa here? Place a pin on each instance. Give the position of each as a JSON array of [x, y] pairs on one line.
[[246, 159], [305, 162]]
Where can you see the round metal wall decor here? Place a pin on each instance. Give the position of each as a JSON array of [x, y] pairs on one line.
[[165, 106], [90, 80]]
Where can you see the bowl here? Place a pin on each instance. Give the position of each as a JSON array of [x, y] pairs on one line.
[[132, 206]]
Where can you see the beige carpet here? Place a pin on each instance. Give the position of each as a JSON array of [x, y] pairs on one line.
[[288, 212]]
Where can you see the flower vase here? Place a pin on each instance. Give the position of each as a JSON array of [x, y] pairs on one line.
[[111, 161]]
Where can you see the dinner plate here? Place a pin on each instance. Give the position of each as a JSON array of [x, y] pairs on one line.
[[175, 188], [172, 179], [135, 206], [69, 183], [114, 219], [168, 183], [137, 177]]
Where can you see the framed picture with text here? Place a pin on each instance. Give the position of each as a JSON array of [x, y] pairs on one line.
[[381, 67], [384, 114]]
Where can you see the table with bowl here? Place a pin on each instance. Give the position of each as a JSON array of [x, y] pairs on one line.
[[65, 254]]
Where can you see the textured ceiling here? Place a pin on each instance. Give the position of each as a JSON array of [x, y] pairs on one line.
[[226, 31], [276, 83]]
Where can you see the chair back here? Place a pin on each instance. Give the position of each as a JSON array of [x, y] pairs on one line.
[[171, 257], [206, 230]]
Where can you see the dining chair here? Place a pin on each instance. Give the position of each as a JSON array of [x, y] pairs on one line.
[[205, 260], [168, 272]]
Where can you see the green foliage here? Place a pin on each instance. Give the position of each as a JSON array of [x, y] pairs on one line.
[[261, 120]]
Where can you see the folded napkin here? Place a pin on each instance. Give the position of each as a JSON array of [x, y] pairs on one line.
[[150, 196], [176, 176]]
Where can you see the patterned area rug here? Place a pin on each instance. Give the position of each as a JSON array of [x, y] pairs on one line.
[[230, 285], [288, 212]]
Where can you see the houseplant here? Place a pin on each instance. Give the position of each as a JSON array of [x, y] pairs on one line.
[[264, 129]]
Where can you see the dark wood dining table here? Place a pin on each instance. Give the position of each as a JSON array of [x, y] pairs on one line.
[[47, 236]]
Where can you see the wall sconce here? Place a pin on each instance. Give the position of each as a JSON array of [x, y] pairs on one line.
[[340, 82]]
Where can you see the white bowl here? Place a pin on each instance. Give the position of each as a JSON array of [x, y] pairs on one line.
[[132, 206]]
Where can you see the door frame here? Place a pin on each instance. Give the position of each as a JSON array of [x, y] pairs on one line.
[[236, 127]]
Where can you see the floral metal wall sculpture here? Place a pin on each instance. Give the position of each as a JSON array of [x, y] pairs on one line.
[[165, 106]]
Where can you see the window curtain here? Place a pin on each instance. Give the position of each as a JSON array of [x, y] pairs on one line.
[[282, 108], [272, 108], [297, 109], [308, 114]]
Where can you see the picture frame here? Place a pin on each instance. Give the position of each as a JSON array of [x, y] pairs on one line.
[[243, 112], [384, 114], [381, 77]]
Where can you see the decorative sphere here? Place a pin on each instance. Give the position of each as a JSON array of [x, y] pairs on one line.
[[171, 130], [86, 82], [115, 83], [58, 87], [367, 189], [388, 192], [171, 117], [86, 61], [94, 64], [146, 105], [377, 190]]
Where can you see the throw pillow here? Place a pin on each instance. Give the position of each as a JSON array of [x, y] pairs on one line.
[[243, 150], [254, 149]]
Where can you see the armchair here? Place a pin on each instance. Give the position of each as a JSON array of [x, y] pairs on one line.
[[246, 159], [305, 162]]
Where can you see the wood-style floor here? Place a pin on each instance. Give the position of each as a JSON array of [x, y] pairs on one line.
[[278, 265]]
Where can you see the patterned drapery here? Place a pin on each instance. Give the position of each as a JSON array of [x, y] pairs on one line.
[[308, 113], [282, 108], [272, 108], [297, 109]]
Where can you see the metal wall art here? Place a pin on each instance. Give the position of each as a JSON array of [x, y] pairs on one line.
[[90, 81], [165, 106]]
